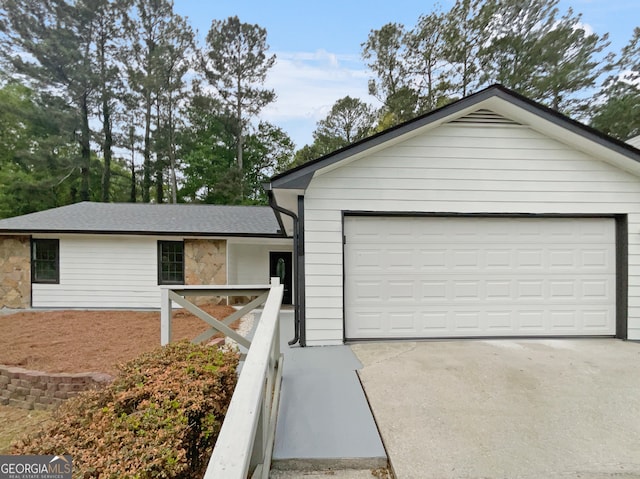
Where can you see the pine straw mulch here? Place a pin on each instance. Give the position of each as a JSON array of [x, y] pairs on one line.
[[90, 341]]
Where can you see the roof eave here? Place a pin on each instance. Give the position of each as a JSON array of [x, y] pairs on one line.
[[142, 233], [558, 119], [299, 177]]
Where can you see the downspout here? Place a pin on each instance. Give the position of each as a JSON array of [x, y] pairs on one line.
[[296, 270], [302, 322]]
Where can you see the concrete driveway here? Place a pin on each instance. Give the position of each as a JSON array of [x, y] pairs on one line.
[[506, 408]]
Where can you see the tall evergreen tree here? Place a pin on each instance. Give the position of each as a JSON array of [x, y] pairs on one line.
[[512, 49], [208, 152], [38, 167], [236, 63], [108, 32], [465, 35], [269, 150], [549, 58], [385, 52], [427, 63], [349, 120], [617, 112], [145, 29], [208, 149], [175, 54], [51, 44]]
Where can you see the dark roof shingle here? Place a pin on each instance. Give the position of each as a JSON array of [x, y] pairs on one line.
[[139, 218]]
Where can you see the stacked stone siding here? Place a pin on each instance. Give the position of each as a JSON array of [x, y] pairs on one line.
[[38, 390], [205, 263], [15, 271]]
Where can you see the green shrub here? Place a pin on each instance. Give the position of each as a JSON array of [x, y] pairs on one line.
[[158, 419]]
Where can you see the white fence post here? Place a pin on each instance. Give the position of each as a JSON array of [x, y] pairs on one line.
[[165, 317]]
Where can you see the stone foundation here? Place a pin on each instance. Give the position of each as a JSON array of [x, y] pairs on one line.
[[205, 263], [15, 272], [38, 390]]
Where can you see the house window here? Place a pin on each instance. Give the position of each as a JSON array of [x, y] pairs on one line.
[[170, 262], [45, 261]]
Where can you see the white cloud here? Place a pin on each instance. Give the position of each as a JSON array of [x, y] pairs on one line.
[[307, 85], [588, 29]]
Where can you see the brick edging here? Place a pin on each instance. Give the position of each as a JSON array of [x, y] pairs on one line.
[[29, 389]]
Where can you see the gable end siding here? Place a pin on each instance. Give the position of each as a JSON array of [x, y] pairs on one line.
[[459, 168]]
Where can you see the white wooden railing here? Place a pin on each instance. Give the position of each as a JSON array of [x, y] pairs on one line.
[[245, 444]]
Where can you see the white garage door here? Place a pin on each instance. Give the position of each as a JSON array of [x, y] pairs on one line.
[[431, 277]]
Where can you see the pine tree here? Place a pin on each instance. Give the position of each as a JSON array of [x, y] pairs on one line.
[[550, 59], [426, 59], [618, 111], [236, 64], [50, 43], [386, 54]]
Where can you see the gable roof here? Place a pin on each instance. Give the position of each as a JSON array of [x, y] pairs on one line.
[[149, 219], [299, 177]]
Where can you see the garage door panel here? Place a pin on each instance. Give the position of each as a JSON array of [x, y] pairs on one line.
[[402, 322], [563, 258], [479, 276], [467, 322], [596, 290], [432, 291], [466, 290], [370, 322], [432, 260], [531, 321], [368, 261], [368, 291], [464, 260], [399, 260], [597, 260], [498, 289], [434, 323], [596, 319], [402, 291], [500, 322], [530, 259], [497, 260], [530, 290], [564, 321], [562, 290]]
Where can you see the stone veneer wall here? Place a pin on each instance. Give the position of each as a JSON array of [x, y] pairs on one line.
[[39, 390], [205, 263], [15, 272]]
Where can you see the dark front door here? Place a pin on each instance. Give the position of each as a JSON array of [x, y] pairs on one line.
[[280, 265]]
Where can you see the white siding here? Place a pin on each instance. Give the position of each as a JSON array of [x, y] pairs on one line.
[[459, 169], [103, 272], [99, 271], [249, 263]]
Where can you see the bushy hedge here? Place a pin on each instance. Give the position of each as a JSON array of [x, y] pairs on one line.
[[158, 419]]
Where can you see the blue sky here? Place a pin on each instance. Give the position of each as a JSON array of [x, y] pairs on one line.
[[317, 44]]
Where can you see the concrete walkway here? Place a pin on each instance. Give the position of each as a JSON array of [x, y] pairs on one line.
[[517, 409], [324, 421]]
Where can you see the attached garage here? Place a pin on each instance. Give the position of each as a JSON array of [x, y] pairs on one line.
[[441, 277], [493, 216]]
